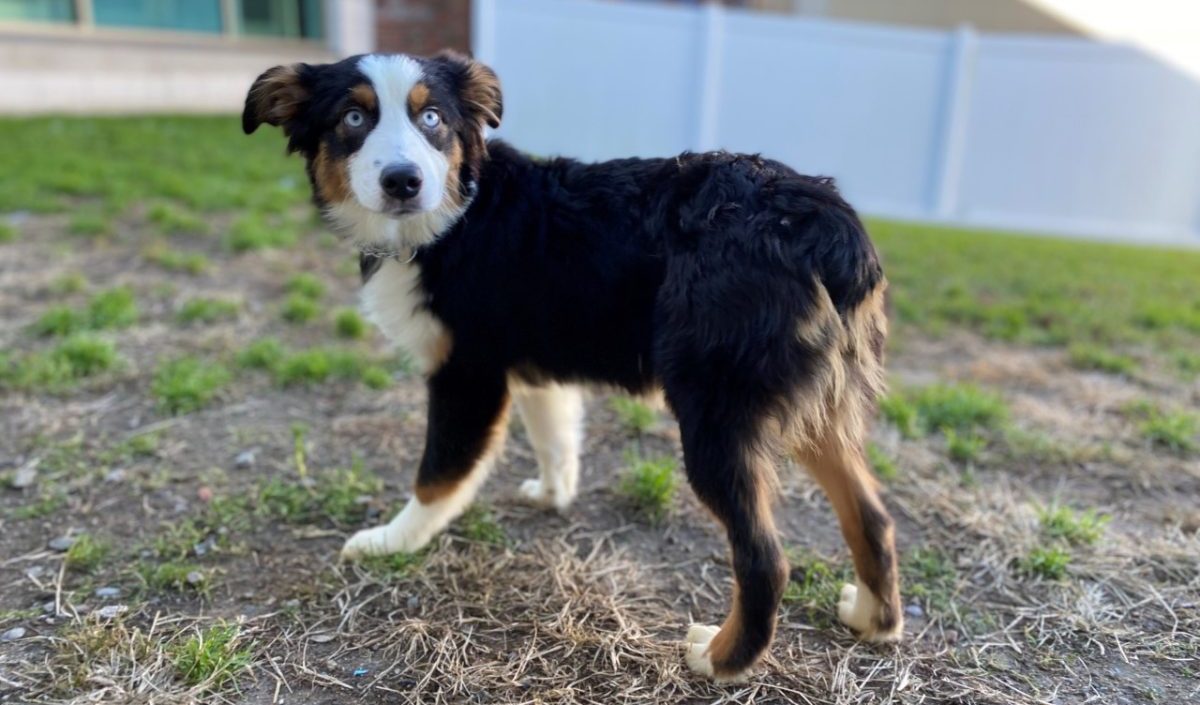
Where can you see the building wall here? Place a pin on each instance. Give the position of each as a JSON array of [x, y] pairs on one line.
[[985, 15], [423, 27]]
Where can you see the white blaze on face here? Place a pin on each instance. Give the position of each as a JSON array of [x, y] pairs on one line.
[[395, 139]]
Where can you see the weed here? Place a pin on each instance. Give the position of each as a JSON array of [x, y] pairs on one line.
[[306, 285], [1050, 563], [884, 466], [86, 553], [113, 308], [336, 495], [393, 566], [1187, 363], [958, 407], [298, 309], [901, 414], [1173, 431], [173, 219], [84, 356], [649, 484], [348, 324], [1061, 522], [89, 224], [636, 417], [214, 657], [930, 577], [477, 524], [174, 576], [814, 585], [186, 384], [59, 321], [204, 310], [253, 232], [176, 261], [7, 233], [1085, 356], [376, 377], [264, 354], [71, 283], [963, 447]]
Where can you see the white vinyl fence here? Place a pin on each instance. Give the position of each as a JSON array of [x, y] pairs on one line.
[[1011, 131]]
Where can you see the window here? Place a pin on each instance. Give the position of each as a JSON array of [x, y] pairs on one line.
[[293, 19], [38, 10]]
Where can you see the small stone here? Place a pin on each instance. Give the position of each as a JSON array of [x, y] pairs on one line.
[[13, 634], [204, 494], [48, 607], [35, 571], [413, 602], [364, 499], [24, 477], [110, 611], [951, 636], [205, 546], [60, 544], [245, 459], [914, 611], [117, 475], [195, 578], [321, 638], [108, 593]]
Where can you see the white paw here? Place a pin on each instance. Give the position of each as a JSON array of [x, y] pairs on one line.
[[858, 608], [539, 493], [381, 541], [699, 637]]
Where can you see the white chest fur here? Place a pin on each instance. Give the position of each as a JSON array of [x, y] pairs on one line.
[[395, 302]]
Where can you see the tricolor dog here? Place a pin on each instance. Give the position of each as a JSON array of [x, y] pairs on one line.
[[748, 294]]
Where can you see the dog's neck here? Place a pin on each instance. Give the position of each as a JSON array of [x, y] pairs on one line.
[[379, 235]]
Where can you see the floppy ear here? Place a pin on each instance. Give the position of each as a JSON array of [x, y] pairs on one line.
[[276, 98], [479, 89]]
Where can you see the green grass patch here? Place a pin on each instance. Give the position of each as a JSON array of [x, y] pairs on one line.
[[265, 354], [394, 566], [186, 384], [306, 285], [8, 233], [881, 463], [113, 308], [76, 358], [70, 283], [90, 224], [930, 577], [172, 219], [1086, 356], [299, 309], [254, 231], [347, 323], [1080, 528], [961, 407], [814, 585], [1041, 290], [87, 553], [1177, 431], [1049, 562], [649, 485], [214, 657], [206, 310], [901, 414], [176, 261], [59, 321], [336, 495], [477, 524], [174, 576], [635, 417], [964, 447]]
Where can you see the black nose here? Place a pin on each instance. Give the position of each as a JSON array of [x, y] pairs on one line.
[[402, 181]]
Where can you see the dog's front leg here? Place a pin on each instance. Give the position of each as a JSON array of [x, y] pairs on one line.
[[468, 413]]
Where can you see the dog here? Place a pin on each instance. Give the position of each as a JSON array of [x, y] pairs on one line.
[[748, 294]]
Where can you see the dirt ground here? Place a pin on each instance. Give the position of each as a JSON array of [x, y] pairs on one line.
[[586, 607]]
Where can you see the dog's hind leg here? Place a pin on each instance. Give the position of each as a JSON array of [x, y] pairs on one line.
[[468, 413], [871, 606], [553, 419], [733, 476]]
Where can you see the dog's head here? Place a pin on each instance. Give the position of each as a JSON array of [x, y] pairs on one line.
[[394, 143]]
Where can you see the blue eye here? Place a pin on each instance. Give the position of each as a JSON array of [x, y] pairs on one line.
[[354, 118], [430, 118]]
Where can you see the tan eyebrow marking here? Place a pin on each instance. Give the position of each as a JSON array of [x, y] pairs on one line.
[[364, 94], [417, 98]]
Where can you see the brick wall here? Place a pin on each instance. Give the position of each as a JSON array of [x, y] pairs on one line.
[[422, 26]]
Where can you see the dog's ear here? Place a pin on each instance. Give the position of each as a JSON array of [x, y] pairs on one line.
[[478, 87], [277, 97]]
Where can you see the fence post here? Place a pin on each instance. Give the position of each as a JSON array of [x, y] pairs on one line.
[[712, 49], [956, 116], [483, 30]]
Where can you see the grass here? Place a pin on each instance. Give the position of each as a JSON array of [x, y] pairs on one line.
[[186, 384], [86, 553], [881, 463], [477, 524], [254, 231], [265, 354], [306, 285], [298, 309], [961, 407], [8, 233], [814, 585], [336, 495], [963, 447], [649, 485], [347, 323], [173, 219], [174, 576], [1086, 356], [1080, 528], [1177, 431], [206, 310], [1040, 290], [635, 417], [109, 309], [930, 577], [214, 657], [90, 224], [176, 261], [1049, 562]]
